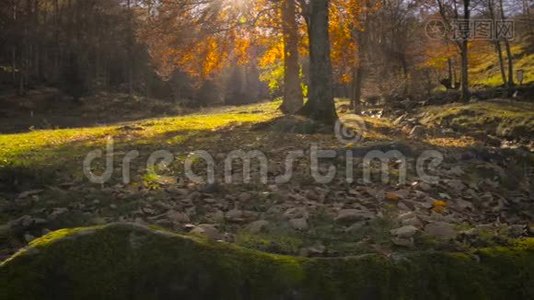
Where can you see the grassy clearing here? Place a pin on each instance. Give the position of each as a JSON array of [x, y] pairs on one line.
[[37, 146]]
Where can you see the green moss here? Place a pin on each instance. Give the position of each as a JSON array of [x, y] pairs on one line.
[[122, 261], [501, 118]]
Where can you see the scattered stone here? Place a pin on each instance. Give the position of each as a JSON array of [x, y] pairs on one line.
[[189, 227], [217, 216], [23, 222], [486, 198], [28, 237], [257, 226], [207, 230], [295, 213], [178, 217], [240, 216], [464, 205], [407, 215], [356, 227], [352, 215], [441, 230], [403, 242], [469, 232], [456, 171], [456, 185], [313, 251], [445, 196], [404, 232], [412, 221], [423, 186], [244, 197], [299, 224]]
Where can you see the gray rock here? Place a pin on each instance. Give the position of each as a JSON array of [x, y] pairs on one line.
[[178, 217], [456, 185], [403, 242], [464, 205], [217, 216], [407, 231], [28, 237], [412, 221], [356, 227], [257, 226], [299, 224], [317, 250], [58, 211], [441, 230], [207, 230], [23, 222], [244, 197], [352, 216], [295, 213]]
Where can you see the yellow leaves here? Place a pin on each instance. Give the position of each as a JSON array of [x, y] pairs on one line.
[[273, 55], [241, 48], [439, 206], [392, 197], [344, 22]]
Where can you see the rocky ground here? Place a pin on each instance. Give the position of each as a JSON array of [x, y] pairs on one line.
[[482, 193]]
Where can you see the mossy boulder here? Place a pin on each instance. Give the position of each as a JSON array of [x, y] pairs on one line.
[[124, 261]]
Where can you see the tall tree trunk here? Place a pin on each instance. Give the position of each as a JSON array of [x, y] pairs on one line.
[[510, 63], [450, 77], [357, 81], [320, 106], [293, 98], [464, 49], [465, 73], [508, 51], [498, 49], [129, 67]]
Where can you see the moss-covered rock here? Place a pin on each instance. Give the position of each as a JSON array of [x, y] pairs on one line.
[[123, 261]]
